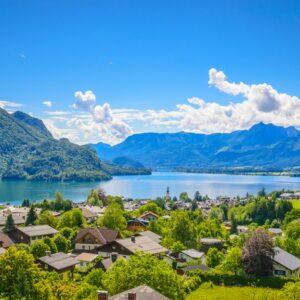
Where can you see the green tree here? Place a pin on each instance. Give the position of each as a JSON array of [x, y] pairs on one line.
[[9, 224], [39, 248], [214, 257], [216, 213], [47, 218], [52, 246], [258, 253], [184, 196], [113, 217], [183, 230], [72, 218], [21, 278], [291, 291], [94, 199], [25, 203], [95, 277], [62, 244], [291, 240], [143, 269], [150, 206], [233, 261], [31, 216]]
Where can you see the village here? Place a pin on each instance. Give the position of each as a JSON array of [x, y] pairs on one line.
[[100, 231]]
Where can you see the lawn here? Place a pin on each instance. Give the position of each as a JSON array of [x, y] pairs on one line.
[[296, 203], [234, 293]]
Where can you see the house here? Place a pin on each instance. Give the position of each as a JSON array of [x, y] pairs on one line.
[[106, 263], [134, 244], [153, 236], [149, 216], [137, 224], [191, 255], [286, 196], [18, 219], [92, 239], [85, 259], [30, 234], [60, 262], [285, 264], [5, 241], [207, 243], [88, 215], [241, 229], [275, 231], [142, 292]]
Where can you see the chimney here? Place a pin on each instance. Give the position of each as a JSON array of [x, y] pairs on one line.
[[114, 256], [48, 253], [132, 296], [102, 295], [133, 238]]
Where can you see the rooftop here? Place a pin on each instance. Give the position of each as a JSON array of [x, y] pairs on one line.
[[143, 292], [59, 261], [141, 243], [86, 257], [5, 240], [286, 259], [104, 235], [193, 253], [153, 236], [37, 230]]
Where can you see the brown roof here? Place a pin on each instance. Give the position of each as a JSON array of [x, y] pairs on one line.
[[59, 261], [149, 212], [5, 241], [143, 292], [104, 235], [86, 257]]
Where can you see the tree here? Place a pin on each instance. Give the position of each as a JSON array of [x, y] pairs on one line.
[[143, 269], [113, 217], [183, 230], [177, 247], [184, 196], [291, 240], [234, 224], [31, 216], [9, 224], [25, 203], [94, 277], [291, 291], [150, 206], [214, 257], [262, 193], [258, 253], [20, 277], [194, 206], [93, 198], [47, 218], [62, 244], [52, 246], [72, 218], [197, 196], [216, 213], [39, 248], [233, 261]]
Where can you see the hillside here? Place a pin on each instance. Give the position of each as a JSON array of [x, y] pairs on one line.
[[28, 151], [262, 147]]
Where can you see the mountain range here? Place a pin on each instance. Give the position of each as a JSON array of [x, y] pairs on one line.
[[29, 151], [263, 147]]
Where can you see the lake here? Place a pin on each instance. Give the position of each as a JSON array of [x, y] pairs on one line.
[[151, 186]]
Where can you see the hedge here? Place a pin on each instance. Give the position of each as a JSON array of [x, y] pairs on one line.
[[228, 279]]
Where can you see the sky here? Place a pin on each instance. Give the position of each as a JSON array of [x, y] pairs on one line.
[[99, 71]]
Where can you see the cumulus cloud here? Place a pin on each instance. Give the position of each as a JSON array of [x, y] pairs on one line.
[[260, 103], [47, 103], [9, 104], [103, 119]]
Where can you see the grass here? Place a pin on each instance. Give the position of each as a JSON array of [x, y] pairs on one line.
[[296, 203], [234, 293]]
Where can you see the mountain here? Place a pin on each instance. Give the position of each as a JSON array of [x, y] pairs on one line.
[[28, 151], [262, 147]]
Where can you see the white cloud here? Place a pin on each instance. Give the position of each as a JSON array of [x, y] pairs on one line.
[[57, 113], [47, 103], [9, 104], [260, 103]]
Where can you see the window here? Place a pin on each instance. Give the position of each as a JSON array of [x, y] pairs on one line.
[[279, 272]]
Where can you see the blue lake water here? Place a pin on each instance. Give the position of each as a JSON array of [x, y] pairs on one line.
[[151, 186]]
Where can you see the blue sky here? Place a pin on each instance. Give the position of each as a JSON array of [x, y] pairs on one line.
[[144, 59]]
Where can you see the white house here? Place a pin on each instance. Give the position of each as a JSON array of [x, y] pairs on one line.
[[285, 264]]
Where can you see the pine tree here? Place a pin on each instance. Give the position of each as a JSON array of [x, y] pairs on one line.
[[31, 217], [9, 224]]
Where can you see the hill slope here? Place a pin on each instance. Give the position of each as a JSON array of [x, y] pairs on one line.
[[264, 146], [28, 151]]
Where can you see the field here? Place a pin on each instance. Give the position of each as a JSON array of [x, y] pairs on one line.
[[234, 293], [296, 203]]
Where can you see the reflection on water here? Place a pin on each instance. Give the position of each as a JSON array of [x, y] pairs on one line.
[[151, 186]]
